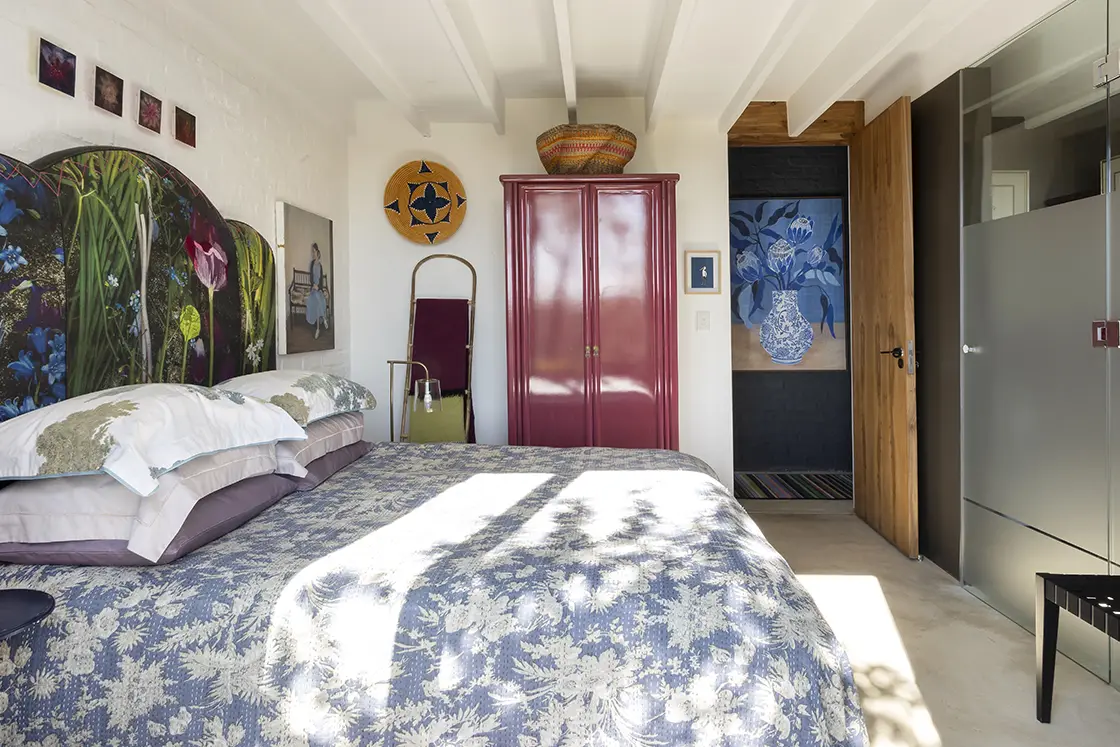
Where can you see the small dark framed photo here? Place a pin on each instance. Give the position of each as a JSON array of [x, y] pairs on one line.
[[108, 92], [151, 112], [702, 272], [58, 69], [185, 127]]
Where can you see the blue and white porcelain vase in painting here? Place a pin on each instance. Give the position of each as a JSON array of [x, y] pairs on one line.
[[786, 335]]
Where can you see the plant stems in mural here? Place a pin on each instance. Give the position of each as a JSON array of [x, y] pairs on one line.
[[144, 222], [211, 267], [190, 324], [256, 273], [101, 195]]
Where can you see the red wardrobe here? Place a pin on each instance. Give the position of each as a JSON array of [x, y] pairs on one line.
[[591, 310]]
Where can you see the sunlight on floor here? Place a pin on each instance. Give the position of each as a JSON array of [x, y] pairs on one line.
[[858, 612]]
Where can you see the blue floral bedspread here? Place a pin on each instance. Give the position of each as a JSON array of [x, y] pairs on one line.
[[439, 595]]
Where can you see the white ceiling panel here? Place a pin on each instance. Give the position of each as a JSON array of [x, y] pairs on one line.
[[521, 39], [613, 42], [445, 61]]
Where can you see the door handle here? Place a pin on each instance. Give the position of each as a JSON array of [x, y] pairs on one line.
[[895, 353]]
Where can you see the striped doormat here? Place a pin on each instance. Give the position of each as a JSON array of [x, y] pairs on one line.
[[833, 486]]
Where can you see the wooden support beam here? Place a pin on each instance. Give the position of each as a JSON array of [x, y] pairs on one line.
[[766, 123], [461, 30]]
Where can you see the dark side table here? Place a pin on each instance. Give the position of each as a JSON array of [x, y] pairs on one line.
[[22, 608], [1095, 599]]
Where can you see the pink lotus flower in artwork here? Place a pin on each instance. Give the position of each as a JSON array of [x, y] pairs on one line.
[[210, 262]]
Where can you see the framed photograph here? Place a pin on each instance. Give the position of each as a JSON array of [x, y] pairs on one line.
[[701, 272], [184, 127], [108, 92], [788, 284], [150, 115], [305, 256], [58, 69]]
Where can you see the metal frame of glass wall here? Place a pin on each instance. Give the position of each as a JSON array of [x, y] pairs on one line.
[[1037, 268]]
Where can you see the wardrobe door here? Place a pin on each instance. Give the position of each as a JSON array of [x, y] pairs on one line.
[[627, 334], [550, 333]]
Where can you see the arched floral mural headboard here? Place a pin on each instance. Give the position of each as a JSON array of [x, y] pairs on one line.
[[115, 269]]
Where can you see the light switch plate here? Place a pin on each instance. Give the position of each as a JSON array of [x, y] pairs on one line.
[[703, 321]]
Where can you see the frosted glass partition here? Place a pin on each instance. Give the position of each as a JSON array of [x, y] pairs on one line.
[[1037, 264], [1035, 422], [1001, 559]]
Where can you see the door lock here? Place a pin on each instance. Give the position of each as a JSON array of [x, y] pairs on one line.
[[895, 353]]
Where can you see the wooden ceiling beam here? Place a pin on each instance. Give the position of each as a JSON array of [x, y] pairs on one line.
[[462, 32], [673, 31], [562, 14], [788, 27], [767, 123], [339, 28], [885, 25]]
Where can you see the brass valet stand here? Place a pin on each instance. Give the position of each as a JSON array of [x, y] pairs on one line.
[[409, 362]]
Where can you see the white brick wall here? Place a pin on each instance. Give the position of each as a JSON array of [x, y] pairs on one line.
[[254, 146]]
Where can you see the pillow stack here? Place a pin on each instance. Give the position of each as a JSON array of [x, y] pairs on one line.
[[145, 474], [328, 406]]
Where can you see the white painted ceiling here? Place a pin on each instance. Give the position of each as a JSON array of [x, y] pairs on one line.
[[459, 60]]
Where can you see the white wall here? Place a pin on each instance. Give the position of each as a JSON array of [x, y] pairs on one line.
[[252, 150], [382, 260]]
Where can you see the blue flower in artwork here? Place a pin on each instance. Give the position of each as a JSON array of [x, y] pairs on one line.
[[780, 256], [38, 339], [800, 230], [12, 257], [9, 210], [155, 230], [59, 255], [14, 407], [748, 267], [55, 369], [177, 276], [24, 368]]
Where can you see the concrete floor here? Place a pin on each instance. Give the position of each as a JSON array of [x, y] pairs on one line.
[[935, 666]]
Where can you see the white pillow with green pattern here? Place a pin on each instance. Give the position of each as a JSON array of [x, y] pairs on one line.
[[136, 433], [305, 395]]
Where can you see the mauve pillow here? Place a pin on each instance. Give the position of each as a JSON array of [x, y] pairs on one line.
[[212, 517], [323, 436], [327, 465], [97, 507]]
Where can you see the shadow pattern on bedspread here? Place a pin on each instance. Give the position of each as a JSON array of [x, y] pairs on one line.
[[447, 595]]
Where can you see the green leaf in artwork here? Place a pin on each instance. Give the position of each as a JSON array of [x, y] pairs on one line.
[[190, 323], [33, 213]]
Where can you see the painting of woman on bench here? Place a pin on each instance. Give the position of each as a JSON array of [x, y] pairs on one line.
[[306, 241]]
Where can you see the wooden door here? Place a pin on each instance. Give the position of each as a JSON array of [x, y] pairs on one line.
[[548, 331], [884, 408]]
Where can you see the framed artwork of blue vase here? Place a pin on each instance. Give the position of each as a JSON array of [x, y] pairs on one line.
[[788, 305]]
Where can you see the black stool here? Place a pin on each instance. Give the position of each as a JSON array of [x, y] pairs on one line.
[[1095, 599]]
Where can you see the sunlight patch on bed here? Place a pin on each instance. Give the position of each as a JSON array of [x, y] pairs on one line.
[[354, 634], [858, 613]]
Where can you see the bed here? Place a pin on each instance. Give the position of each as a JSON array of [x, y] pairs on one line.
[[447, 594]]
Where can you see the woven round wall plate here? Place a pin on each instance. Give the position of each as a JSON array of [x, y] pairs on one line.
[[425, 202]]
